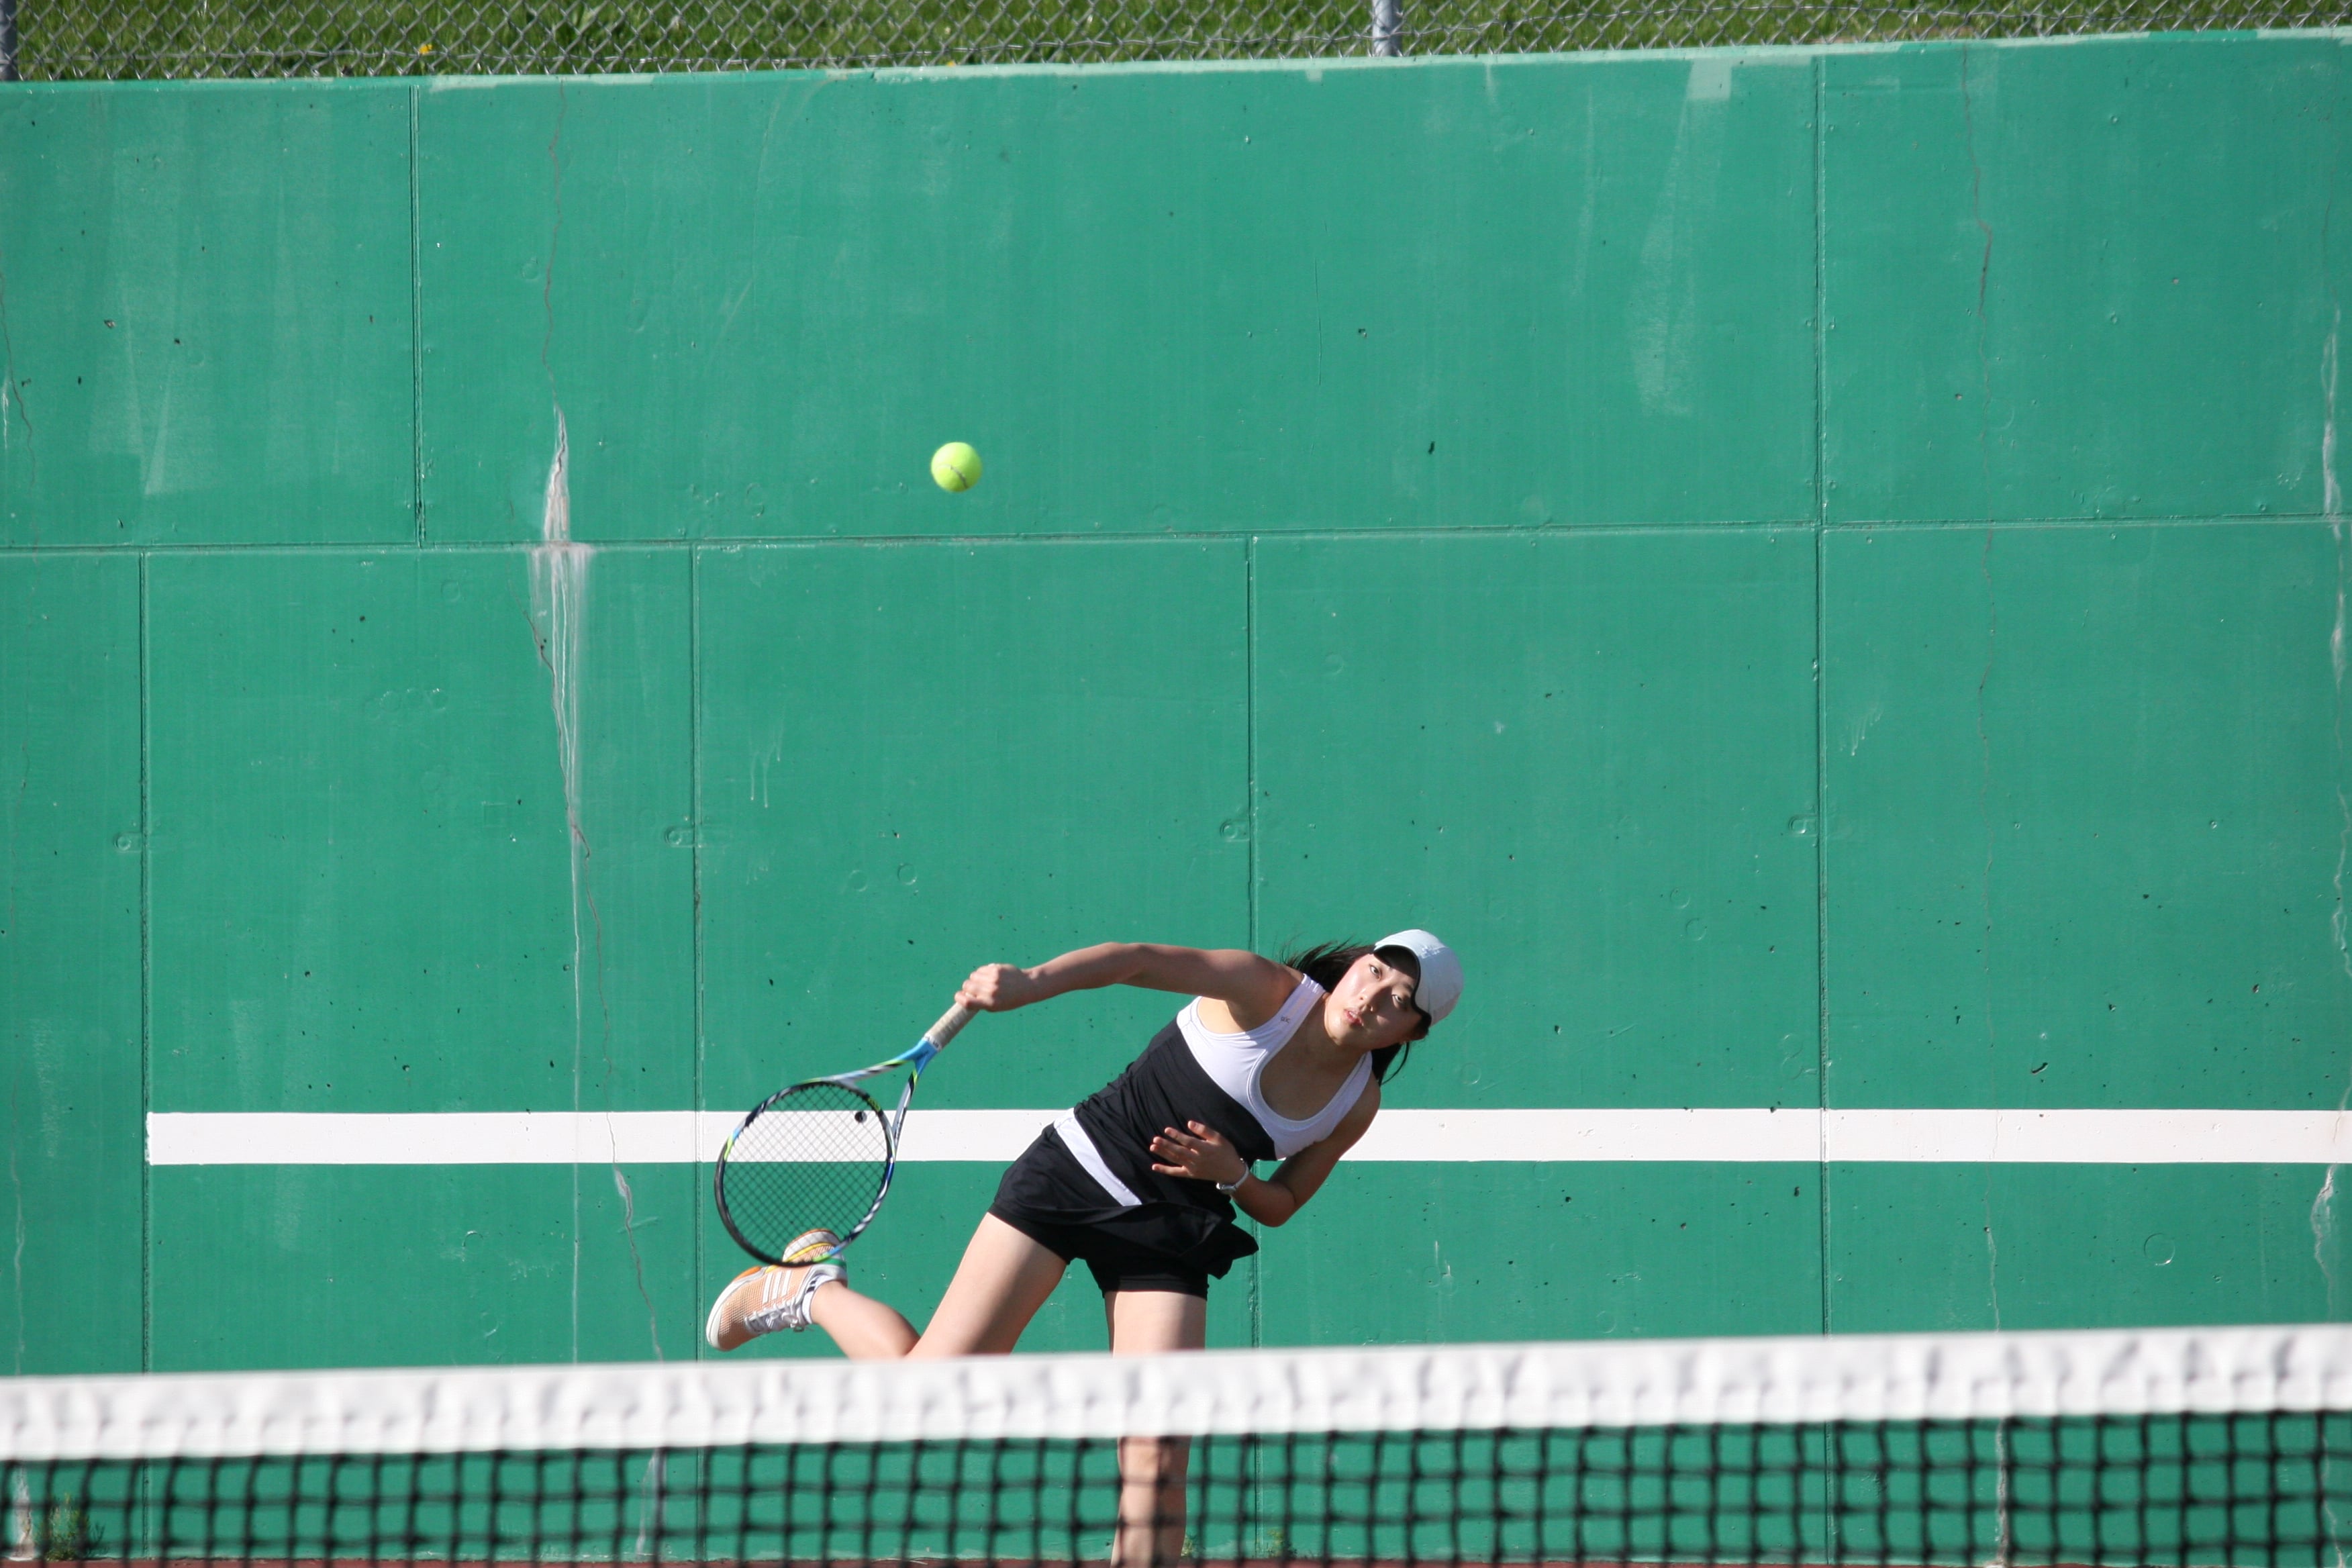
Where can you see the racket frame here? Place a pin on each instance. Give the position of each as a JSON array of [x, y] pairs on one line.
[[915, 1058]]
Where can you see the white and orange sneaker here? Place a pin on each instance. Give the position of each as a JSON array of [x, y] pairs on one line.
[[773, 1295]]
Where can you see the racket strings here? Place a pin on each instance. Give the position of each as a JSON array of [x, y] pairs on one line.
[[816, 1159]]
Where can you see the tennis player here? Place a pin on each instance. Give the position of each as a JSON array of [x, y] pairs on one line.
[[1268, 1061]]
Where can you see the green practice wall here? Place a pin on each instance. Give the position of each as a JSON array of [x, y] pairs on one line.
[[1815, 570]]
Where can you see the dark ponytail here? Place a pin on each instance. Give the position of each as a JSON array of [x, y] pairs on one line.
[[1329, 962]]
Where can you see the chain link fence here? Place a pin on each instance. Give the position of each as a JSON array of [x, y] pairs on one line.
[[114, 39]]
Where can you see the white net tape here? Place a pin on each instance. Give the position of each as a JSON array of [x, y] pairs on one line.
[[1664, 1382]]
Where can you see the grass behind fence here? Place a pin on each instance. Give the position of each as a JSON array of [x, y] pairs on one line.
[[170, 39]]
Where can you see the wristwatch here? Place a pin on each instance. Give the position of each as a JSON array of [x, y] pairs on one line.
[[1229, 1188]]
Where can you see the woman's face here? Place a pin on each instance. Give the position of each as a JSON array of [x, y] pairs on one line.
[[1372, 1007]]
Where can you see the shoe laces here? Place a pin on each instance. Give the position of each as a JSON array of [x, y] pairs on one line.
[[783, 1302]]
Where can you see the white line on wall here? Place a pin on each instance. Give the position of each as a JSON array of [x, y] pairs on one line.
[[1734, 1134]]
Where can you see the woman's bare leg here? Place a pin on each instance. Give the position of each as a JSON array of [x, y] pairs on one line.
[[1002, 1281], [864, 1328], [1151, 1469]]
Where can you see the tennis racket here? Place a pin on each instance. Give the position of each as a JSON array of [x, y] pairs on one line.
[[819, 1155]]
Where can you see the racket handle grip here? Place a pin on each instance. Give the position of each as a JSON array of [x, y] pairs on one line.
[[950, 1025]]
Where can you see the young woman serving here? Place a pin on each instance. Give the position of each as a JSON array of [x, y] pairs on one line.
[[1269, 1061]]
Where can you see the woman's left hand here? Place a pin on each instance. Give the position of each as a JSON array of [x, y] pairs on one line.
[[1203, 1155]]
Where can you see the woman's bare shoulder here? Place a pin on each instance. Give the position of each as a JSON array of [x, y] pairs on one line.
[[1255, 1001]]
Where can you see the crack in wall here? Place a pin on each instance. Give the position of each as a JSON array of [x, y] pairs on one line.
[[1984, 679]]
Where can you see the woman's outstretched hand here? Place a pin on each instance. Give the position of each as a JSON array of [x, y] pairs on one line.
[[999, 988], [1203, 1155]]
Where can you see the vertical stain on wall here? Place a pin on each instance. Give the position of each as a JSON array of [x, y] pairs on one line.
[[559, 594], [1664, 326], [15, 1177], [558, 591], [559, 604], [2324, 1244], [12, 391], [17, 1255]]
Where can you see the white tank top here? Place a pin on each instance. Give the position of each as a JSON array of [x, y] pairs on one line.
[[1236, 1062]]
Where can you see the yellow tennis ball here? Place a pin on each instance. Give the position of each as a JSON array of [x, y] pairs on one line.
[[956, 466]]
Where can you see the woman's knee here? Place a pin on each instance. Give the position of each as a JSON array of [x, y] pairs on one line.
[[1154, 1461]]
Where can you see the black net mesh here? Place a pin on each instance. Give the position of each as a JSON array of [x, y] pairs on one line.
[[167, 38], [813, 1159], [2253, 1488]]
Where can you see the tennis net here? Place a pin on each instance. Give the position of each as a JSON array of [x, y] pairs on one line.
[[2224, 1446]]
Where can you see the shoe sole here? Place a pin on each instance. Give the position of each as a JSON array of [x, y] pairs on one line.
[[710, 1324]]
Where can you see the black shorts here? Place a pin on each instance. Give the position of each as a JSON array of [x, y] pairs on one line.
[[1048, 1197], [1116, 1263]]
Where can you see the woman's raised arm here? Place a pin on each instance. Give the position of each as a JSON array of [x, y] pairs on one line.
[[1254, 987]]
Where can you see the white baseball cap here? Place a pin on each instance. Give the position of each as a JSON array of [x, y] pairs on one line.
[[1441, 971]]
